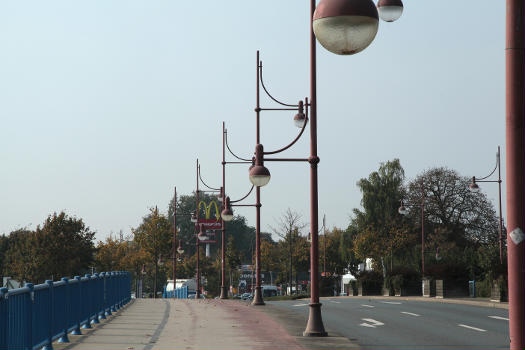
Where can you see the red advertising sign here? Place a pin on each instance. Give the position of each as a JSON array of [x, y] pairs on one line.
[[210, 224]]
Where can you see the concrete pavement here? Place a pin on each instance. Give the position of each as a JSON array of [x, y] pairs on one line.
[[161, 324], [148, 324]]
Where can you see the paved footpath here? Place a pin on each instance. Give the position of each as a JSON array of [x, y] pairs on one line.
[[162, 324]]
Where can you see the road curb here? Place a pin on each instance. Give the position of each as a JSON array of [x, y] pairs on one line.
[[434, 300]]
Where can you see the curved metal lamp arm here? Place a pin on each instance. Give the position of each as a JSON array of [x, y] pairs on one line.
[[204, 183], [267, 93], [229, 149], [243, 198], [298, 136], [489, 175]]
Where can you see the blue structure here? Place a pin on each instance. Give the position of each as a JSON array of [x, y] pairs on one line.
[[179, 293], [33, 317]]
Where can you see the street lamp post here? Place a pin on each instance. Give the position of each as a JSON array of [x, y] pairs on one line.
[[475, 188], [176, 250], [515, 129], [260, 177], [198, 274], [343, 27]]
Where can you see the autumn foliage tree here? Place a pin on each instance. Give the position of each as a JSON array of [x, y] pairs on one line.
[[62, 247]]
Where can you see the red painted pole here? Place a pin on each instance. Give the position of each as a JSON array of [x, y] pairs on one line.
[[174, 245], [224, 290], [500, 214], [257, 297], [515, 115], [315, 325], [198, 282], [423, 236]]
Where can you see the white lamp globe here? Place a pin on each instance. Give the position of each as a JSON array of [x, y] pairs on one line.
[[345, 27]]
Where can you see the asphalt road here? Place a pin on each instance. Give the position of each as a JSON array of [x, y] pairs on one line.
[[405, 325]]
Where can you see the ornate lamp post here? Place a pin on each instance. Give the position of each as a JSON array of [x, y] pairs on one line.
[[174, 249], [475, 188], [343, 27]]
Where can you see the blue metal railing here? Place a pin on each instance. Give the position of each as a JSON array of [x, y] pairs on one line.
[[179, 293], [33, 317]]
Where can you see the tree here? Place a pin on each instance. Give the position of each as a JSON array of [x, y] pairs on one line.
[[375, 228], [115, 255], [154, 236], [288, 228], [20, 258], [457, 221], [4, 245], [62, 247], [382, 192], [466, 216]]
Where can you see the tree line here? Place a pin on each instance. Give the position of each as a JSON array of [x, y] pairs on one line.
[[461, 238]]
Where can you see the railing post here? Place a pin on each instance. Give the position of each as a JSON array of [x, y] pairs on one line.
[[77, 302], [127, 288], [51, 319], [66, 316], [86, 300], [119, 297], [94, 298], [29, 310], [107, 294], [112, 291], [102, 292], [3, 318]]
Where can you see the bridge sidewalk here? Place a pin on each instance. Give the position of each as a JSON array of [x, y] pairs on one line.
[[163, 324]]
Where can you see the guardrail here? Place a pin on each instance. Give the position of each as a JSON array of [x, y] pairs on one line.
[[33, 317], [179, 293]]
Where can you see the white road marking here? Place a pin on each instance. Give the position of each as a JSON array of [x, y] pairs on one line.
[[367, 325], [499, 318], [373, 322], [391, 302], [365, 305], [300, 305], [470, 327], [410, 313], [336, 302]]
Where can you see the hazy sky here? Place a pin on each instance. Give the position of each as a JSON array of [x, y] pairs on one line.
[[106, 104]]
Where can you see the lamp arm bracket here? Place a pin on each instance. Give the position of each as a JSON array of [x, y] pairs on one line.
[[241, 162], [231, 152], [293, 142], [243, 198], [204, 183], [244, 205], [489, 175], [267, 93], [286, 159]]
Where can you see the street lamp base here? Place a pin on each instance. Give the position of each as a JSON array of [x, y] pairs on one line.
[[224, 292], [257, 298], [315, 327]]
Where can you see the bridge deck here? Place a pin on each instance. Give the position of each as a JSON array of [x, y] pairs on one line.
[[162, 324]]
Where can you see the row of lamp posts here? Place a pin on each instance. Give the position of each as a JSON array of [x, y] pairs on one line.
[[347, 27]]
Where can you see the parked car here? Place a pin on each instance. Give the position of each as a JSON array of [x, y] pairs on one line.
[[246, 296]]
